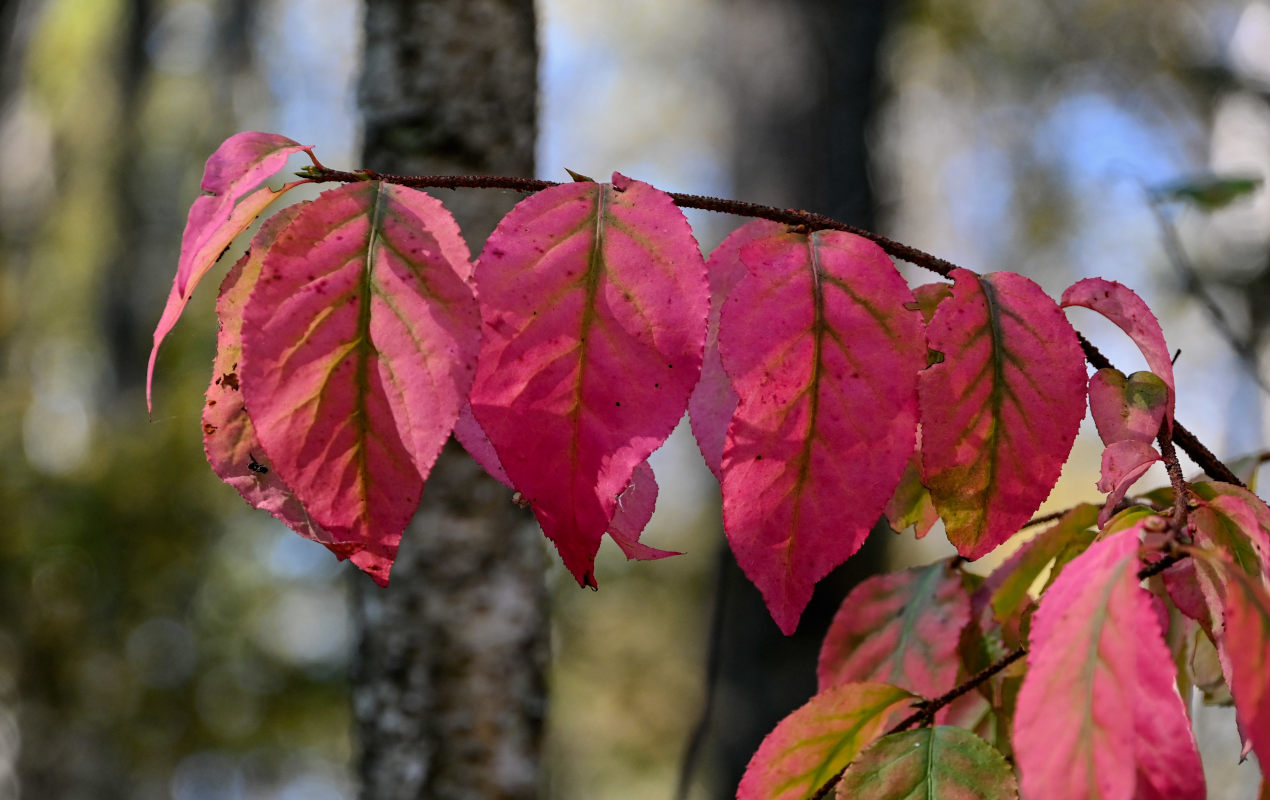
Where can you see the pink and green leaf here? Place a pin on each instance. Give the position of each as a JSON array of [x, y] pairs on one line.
[[1001, 410], [939, 763], [1247, 655], [814, 743], [910, 503], [902, 628], [226, 208], [713, 400], [1123, 463], [358, 348], [1121, 305], [229, 438], [1010, 583], [1129, 408], [594, 301], [824, 355], [1099, 717]]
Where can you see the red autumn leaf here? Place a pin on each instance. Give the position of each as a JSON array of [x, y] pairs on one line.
[[1099, 716], [713, 400], [940, 763], [814, 743], [593, 302], [824, 356], [1129, 408], [1246, 654], [902, 628], [239, 165], [229, 438], [358, 347], [1001, 411], [1121, 305], [1234, 503]]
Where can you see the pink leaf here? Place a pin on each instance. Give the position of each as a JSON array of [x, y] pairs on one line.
[[824, 356], [1000, 412], [472, 436], [813, 744], [593, 303], [1122, 464], [1127, 408], [1121, 305], [713, 400], [1247, 656], [1234, 502], [634, 509], [239, 165], [902, 628], [229, 438], [358, 346], [940, 763], [1098, 715]]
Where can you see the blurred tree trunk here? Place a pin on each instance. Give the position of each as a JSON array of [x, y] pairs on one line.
[[448, 685], [804, 85]]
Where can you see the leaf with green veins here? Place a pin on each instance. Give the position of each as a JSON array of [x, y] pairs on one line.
[[813, 744], [1014, 578], [828, 406], [902, 628], [1000, 413], [940, 763], [358, 347], [593, 305]]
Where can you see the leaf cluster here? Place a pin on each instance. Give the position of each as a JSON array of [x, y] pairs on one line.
[[357, 335]]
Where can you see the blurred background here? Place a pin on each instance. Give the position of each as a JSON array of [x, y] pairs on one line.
[[159, 639]]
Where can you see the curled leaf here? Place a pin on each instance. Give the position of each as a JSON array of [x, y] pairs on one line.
[[1121, 305], [1122, 464], [239, 165], [1129, 408]]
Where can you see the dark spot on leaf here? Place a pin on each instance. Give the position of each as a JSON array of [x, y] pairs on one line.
[[617, 403], [208, 428], [211, 403], [230, 380], [758, 458]]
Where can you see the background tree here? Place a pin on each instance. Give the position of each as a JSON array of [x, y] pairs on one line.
[[448, 687]]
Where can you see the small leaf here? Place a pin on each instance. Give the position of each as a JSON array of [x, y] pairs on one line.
[[634, 509], [1000, 413], [713, 401], [229, 438], [827, 411], [812, 745], [1012, 580], [593, 302], [1121, 305], [239, 165], [358, 345], [911, 503], [940, 763], [1099, 715], [1212, 490], [1127, 408], [902, 629], [1123, 463], [1209, 192]]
